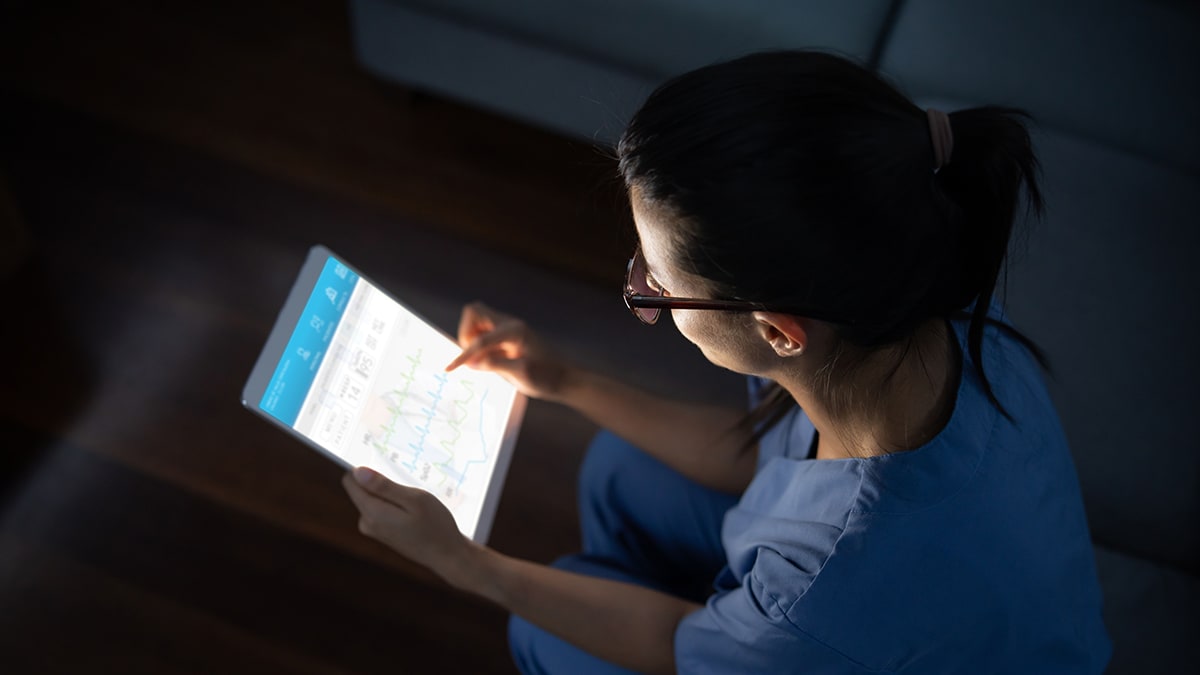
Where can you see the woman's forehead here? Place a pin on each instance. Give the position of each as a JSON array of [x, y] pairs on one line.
[[661, 241], [654, 237]]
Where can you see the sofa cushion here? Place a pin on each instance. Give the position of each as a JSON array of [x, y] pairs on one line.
[[1107, 288], [583, 67], [531, 82], [1119, 71], [661, 38], [1150, 612]]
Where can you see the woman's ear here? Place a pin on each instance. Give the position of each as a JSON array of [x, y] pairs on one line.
[[785, 333]]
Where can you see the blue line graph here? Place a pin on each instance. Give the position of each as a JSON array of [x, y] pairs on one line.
[[436, 426], [429, 412], [482, 442]]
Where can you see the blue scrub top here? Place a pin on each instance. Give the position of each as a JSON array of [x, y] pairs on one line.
[[968, 554]]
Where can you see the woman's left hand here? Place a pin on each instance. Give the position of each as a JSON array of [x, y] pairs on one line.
[[411, 521]]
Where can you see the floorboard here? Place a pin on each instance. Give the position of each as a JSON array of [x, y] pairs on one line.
[[89, 538]]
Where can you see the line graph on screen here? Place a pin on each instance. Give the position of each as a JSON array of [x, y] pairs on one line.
[[420, 423]]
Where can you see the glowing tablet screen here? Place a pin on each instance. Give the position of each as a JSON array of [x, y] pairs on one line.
[[362, 377]]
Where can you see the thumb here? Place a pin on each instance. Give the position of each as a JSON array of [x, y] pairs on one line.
[[378, 485]]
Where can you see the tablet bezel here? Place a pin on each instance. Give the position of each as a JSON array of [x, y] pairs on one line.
[[277, 340]]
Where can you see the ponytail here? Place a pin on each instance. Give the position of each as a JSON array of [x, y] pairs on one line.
[[993, 159]]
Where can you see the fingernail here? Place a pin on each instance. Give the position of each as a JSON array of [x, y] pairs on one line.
[[363, 475]]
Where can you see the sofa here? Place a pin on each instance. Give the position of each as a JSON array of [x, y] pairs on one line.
[[1106, 282]]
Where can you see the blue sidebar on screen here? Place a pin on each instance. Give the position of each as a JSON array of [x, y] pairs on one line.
[[309, 343]]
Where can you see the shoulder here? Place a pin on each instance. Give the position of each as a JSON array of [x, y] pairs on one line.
[[792, 514]]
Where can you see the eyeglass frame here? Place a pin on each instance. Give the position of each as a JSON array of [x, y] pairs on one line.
[[635, 301]]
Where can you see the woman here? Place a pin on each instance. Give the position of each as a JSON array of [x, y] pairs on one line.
[[901, 498]]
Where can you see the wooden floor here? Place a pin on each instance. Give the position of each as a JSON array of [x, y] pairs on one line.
[[171, 166]]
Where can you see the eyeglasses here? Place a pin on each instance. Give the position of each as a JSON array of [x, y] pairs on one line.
[[647, 302]]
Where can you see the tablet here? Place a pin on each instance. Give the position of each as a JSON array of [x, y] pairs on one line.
[[357, 375]]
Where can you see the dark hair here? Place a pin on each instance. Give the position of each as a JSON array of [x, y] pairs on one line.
[[771, 162]]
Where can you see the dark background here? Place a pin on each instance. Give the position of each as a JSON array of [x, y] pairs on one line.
[[163, 169]]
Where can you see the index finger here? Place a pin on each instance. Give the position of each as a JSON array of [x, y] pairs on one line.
[[476, 318], [486, 341]]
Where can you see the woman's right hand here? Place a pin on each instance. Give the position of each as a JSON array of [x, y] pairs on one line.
[[503, 344]]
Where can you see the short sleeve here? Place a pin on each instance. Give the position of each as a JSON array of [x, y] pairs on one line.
[[736, 633], [778, 539]]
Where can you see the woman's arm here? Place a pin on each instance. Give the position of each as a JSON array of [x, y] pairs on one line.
[[623, 623], [703, 442]]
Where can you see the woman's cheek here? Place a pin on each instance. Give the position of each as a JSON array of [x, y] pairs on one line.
[[701, 331], [693, 328]]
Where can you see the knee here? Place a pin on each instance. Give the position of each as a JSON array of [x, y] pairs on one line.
[[533, 649], [608, 458]]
